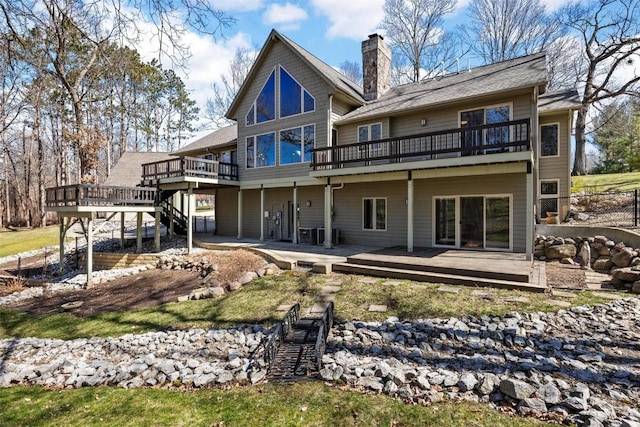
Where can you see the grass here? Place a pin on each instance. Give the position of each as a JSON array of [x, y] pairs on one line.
[[607, 182], [302, 404], [257, 302], [15, 242]]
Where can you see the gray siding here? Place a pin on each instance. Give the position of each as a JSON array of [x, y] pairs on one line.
[[315, 85], [227, 212], [558, 167]]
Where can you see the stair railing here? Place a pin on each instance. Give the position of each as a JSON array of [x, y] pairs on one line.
[[272, 345], [326, 323]]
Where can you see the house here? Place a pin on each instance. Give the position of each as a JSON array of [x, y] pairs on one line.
[[455, 161]]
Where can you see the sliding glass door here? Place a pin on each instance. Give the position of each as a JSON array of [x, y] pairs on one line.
[[473, 222]]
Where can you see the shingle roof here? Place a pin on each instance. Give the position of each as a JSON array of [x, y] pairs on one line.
[[523, 72], [224, 136], [328, 73], [553, 101], [127, 172]]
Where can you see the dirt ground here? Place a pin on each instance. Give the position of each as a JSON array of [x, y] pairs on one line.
[[145, 289], [565, 275]]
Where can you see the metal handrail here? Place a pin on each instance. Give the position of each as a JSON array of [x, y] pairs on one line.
[[323, 332], [272, 345]]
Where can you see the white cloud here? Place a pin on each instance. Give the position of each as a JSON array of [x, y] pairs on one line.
[[236, 5], [287, 17], [353, 19]]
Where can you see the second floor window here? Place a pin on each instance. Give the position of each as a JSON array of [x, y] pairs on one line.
[[263, 108], [294, 99], [549, 140], [371, 132], [296, 144], [261, 150]]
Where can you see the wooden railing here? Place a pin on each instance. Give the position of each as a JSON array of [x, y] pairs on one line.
[[469, 141], [189, 167], [99, 195]]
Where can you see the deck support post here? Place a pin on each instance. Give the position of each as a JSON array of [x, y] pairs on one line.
[[171, 219], [89, 231], [262, 213], [62, 233], [239, 236], [139, 232], [122, 230], [410, 213], [295, 214], [156, 234], [529, 214], [328, 205], [189, 219]]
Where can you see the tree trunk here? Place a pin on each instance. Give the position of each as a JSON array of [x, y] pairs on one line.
[[579, 162]]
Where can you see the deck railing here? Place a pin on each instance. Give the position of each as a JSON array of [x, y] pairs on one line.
[[99, 195], [189, 167], [469, 141]]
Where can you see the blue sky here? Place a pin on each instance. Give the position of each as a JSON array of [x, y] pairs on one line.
[[332, 30]]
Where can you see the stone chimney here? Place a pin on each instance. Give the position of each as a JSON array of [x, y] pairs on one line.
[[376, 67]]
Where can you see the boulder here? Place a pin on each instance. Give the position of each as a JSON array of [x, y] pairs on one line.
[[561, 251], [603, 263], [549, 393], [636, 287], [628, 274], [623, 258], [248, 277], [585, 255], [532, 406], [516, 389]]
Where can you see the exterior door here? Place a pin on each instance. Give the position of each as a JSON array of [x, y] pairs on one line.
[[472, 222]]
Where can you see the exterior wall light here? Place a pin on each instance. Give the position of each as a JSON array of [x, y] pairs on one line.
[[423, 121]]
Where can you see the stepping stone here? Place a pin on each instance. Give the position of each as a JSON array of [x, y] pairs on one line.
[[516, 299], [607, 295], [449, 289], [419, 287], [318, 307], [368, 280], [330, 289], [333, 282], [564, 294], [557, 303], [483, 294], [391, 283], [378, 308], [284, 307], [325, 298]]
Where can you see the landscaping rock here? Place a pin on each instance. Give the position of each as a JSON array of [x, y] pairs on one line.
[[561, 251], [628, 274], [516, 389]]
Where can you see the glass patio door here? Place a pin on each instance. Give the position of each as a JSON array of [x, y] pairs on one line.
[[472, 222]]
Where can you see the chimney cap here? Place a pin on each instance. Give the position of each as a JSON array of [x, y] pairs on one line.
[[374, 35]]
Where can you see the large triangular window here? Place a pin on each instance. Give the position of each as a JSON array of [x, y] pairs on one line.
[[263, 108], [294, 99]]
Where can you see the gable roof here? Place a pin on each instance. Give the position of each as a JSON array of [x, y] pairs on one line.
[[333, 77], [559, 101], [222, 137], [518, 73], [127, 172]]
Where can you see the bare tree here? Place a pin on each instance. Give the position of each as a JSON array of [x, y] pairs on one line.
[[610, 34], [414, 30], [505, 29], [232, 79], [352, 70]]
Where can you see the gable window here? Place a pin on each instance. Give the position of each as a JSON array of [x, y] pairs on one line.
[[296, 144], [374, 214], [294, 99], [549, 140], [548, 197], [485, 116], [263, 108], [261, 150]]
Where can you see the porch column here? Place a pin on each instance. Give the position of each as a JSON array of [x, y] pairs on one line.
[[156, 234], [138, 232], [410, 213], [295, 214], [89, 251], [328, 203], [529, 213], [122, 230], [189, 220], [62, 233], [239, 214], [262, 213], [171, 219]]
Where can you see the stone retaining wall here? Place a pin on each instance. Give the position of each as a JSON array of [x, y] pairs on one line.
[[109, 260]]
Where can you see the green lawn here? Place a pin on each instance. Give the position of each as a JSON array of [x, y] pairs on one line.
[[302, 404], [15, 242], [607, 182]]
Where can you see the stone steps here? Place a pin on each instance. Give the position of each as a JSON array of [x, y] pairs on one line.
[[435, 277]]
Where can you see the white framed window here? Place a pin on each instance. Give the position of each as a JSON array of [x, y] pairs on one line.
[[370, 132], [549, 140], [374, 214], [492, 114], [296, 144], [261, 150], [549, 192]]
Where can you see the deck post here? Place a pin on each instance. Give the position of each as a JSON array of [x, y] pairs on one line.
[[189, 220], [410, 213], [171, 231], [89, 251], [139, 232], [328, 203], [529, 213], [239, 214], [262, 213], [122, 230], [295, 214], [156, 234], [62, 233]]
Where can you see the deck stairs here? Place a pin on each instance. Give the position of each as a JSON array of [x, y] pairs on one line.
[[179, 219], [467, 274]]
